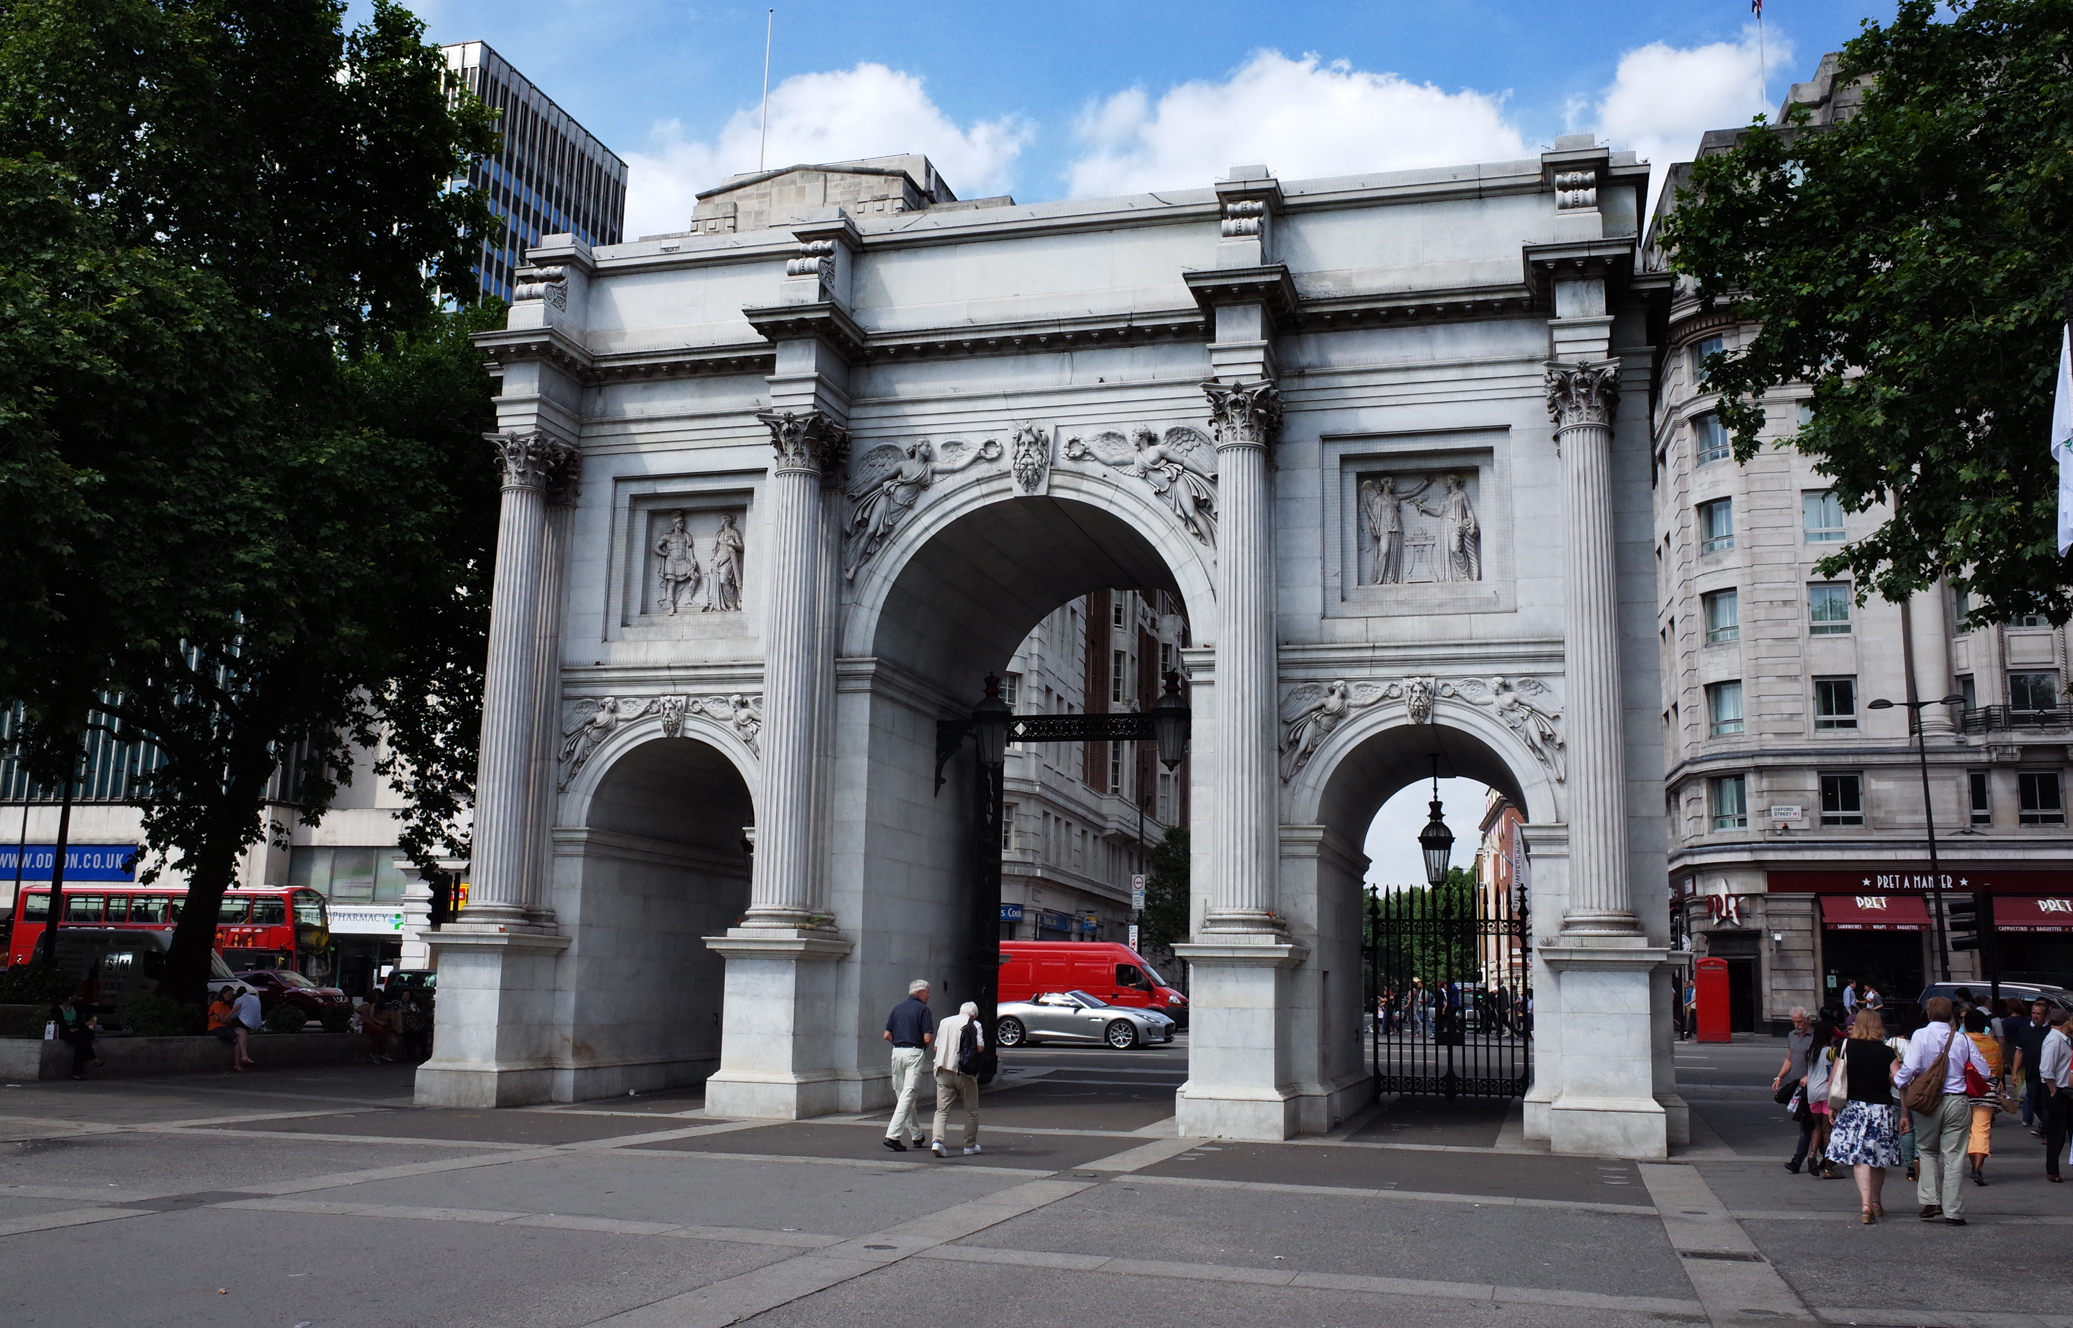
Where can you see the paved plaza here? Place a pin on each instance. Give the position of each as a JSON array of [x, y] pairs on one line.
[[325, 1199]]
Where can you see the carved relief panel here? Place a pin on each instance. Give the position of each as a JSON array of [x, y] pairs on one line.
[[1420, 524], [683, 562], [695, 560]]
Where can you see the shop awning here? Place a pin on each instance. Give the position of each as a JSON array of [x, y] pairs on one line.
[[2016, 913], [1874, 913]]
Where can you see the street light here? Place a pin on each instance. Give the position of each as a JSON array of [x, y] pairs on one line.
[[990, 723], [1914, 719], [1170, 720], [1436, 841]]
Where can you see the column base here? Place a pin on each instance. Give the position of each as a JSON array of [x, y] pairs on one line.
[[1238, 1061], [1603, 1103], [776, 1042], [497, 1044]]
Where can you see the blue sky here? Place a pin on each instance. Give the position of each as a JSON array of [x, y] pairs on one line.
[[1069, 98]]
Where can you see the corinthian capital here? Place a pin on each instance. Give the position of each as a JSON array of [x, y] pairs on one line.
[[806, 441], [1244, 414], [1585, 392], [532, 460]]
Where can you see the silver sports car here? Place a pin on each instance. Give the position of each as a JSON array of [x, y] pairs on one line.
[[1075, 1016]]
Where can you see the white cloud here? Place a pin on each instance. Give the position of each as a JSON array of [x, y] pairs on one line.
[[1662, 99], [1302, 118], [837, 115], [1391, 842]]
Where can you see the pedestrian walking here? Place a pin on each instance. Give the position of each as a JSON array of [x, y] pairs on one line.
[[1852, 993], [1942, 1116], [1865, 1138], [1820, 1066], [76, 1030], [959, 1044], [246, 1011], [1979, 1143], [1789, 1085], [1690, 1009], [2055, 1068], [911, 1028], [1908, 1156], [2026, 1037]]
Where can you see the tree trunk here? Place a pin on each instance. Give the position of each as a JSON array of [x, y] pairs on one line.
[[212, 869]]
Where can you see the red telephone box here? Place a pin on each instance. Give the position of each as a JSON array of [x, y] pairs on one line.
[[1712, 990]]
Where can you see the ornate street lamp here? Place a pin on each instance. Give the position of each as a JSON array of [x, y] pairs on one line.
[[1436, 841], [990, 723], [1170, 718]]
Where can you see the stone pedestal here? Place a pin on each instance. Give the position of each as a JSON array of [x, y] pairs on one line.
[[1607, 1105], [497, 1041], [777, 1044], [1238, 1038]]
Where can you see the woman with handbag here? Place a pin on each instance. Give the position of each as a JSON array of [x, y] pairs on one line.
[[1861, 1097], [1820, 1068], [1979, 1145]]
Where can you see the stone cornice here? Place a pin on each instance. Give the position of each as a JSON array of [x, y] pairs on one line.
[[1609, 260], [1268, 284], [822, 320], [550, 345]]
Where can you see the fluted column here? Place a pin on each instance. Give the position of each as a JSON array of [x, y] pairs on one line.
[[561, 509], [1582, 398], [511, 683], [1244, 417], [1929, 623], [809, 446]]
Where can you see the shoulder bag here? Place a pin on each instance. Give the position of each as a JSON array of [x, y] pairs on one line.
[[1839, 1080], [1924, 1092]]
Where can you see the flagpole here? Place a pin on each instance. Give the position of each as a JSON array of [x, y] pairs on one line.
[[1763, 70], [763, 131]]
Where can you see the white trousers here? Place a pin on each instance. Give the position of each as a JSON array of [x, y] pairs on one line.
[[909, 1066]]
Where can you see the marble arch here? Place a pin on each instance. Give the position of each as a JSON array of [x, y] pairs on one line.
[[825, 416]]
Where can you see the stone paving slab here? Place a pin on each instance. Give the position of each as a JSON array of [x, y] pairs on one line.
[[1088, 1106], [1524, 1176], [504, 1127], [179, 1162], [1549, 1248], [1003, 1148], [1432, 1120]]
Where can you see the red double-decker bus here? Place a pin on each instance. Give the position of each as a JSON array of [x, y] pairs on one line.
[[254, 928]]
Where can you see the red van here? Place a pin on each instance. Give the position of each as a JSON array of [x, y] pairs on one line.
[[1115, 973]]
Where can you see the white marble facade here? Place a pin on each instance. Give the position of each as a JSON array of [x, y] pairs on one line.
[[933, 428]]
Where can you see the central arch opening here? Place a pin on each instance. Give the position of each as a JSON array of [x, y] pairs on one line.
[[1079, 612]]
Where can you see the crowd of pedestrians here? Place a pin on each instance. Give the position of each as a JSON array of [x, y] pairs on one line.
[[1869, 1101]]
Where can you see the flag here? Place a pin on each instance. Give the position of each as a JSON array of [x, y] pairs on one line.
[[2062, 436], [1756, 7]]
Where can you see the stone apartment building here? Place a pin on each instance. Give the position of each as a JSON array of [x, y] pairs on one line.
[[1798, 846]]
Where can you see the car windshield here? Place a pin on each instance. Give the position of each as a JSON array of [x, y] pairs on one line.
[[1089, 1001], [218, 970], [1152, 973]]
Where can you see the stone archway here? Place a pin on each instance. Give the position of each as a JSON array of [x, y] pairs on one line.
[[657, 860]]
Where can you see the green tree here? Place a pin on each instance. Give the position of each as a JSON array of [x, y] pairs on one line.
[[1910, 264], [244, 507], [1165, 919], [1426, 932]]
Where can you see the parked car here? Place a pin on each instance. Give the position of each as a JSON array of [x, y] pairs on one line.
[[278, 985], [1078, 1016], [1115, 973]]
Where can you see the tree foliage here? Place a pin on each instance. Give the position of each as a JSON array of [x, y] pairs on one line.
[[1910, 264], [1165, 919], [1427, 932], [244, 507]]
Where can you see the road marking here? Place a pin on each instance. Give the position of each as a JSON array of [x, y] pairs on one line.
[[1731, 1276]]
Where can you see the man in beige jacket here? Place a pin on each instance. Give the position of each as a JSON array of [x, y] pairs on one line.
[[959, 1040]]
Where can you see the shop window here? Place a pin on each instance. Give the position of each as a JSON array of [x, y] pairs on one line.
[[1828, 608], [1717, 525], [2033, 691], [1730, 797], [1723, 616], [1821, 517], [2041, 803], [1724, 707], [1982, 802], [1842, 800], [1835, 703], [1710, 438]]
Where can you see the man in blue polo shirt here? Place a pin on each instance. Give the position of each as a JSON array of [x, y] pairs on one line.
[[911, 1028]]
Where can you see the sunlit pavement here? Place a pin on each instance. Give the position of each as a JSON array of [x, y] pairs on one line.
[[323, 1197]]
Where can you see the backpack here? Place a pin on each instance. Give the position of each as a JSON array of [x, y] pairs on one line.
[[968, 1047]]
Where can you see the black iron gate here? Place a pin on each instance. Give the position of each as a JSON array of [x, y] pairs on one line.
[[1450, 990]]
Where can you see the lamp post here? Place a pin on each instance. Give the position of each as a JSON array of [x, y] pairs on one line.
[[1436, 841], [1914, 719]]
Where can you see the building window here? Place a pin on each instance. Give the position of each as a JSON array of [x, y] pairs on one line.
[[1821, 515], [1842, 800], [1730, 795], [1011, 691], [1164, 810], [1116, 612], [2029, 620], [1118, 677], [1166, 660], [2041, 804], [1008, 828], [2033, 691], [1717, 525], [1723, 616], [1828, 608], [1806, 413], [1724, 707], [1968, 689], [1982, 804], [1115, 768], [1835, 703], [1710, 438], [1700, 350]]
